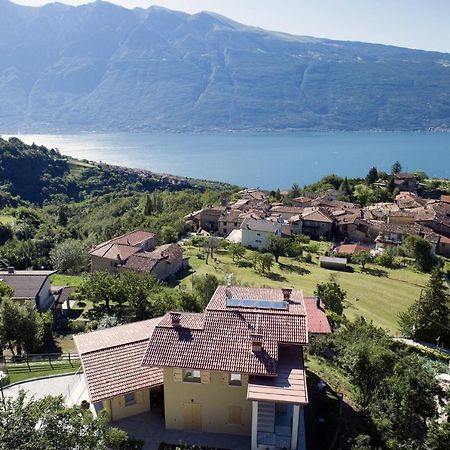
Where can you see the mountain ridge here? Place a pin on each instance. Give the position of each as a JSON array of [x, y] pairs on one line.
[[103, 67]]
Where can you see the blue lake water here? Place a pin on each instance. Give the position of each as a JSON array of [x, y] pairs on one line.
[[267, 160]]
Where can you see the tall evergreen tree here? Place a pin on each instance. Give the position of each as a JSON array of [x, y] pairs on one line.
[[428, 318]]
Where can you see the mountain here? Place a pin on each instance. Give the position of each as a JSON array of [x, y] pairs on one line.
[[103, 67]]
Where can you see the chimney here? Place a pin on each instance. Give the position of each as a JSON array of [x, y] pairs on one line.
[[176, 318], [10, 269], [286, 294], [256, 342]]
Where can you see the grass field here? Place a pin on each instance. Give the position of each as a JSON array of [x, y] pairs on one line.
[[77, 167], [379, 294], [66, 280]]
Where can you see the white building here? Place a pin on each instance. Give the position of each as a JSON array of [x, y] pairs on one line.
[[255, 233]]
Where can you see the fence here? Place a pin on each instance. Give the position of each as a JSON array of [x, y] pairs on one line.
[[39, 362]]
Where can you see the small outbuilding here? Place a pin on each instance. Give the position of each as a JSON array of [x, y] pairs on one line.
[[333, 263]]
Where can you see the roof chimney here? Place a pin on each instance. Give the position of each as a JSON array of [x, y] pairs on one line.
[[10, 269], [286, 294], [176, 318], [256, 342]]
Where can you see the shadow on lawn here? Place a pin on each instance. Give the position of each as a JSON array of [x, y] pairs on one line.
[[293, 268], [275, 277], [375, 272]]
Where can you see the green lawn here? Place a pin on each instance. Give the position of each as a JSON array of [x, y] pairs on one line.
[[76, 167], [379, 294], [66, 280]]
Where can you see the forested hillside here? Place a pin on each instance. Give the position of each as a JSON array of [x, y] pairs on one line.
[[101, 66], [46, 199]]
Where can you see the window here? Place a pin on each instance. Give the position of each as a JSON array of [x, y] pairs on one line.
[[130, 399], [235, 379], [191, 376], [235, 415], [235, 224]]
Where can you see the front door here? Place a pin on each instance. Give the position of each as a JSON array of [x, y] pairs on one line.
[[193, 417]]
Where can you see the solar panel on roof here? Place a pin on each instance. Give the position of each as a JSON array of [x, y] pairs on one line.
[[261, 304]]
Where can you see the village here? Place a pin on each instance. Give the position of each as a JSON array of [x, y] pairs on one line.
[[374, 228], [239, 366]]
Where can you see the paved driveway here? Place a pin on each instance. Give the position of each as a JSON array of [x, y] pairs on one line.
[[71, 387], [150, 428]]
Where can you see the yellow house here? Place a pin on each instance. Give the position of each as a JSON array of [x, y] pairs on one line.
[[115, 378], [238, 367]]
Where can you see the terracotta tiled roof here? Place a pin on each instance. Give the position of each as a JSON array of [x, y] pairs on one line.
[[317, 319], [409, 229], [112, 251], [288, 209], [112, 359], [221, 339], [349, 249], [317, 216], [146, 261], [445, 198], [218, 301], [135, 237]]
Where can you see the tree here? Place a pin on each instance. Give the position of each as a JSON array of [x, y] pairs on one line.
[[169, 234], [6, 233], [69, 257], [332, 295], [295, 191], [190, 302], [266, 262], [211, 244], [98, 288], [5, 290], [367, 364], [438, 436], [396, 168], [277, 246], [372, 175], [386, 259], [345, 187], [418, 248], [28, 424], [362, 257], [21, 327], [204, 286], [428, 318], [237, 251], [148, 206], [404, 402]]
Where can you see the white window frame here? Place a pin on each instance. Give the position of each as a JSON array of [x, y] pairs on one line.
[[235, 382]]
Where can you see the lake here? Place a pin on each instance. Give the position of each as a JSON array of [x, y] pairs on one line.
[[267, 160]]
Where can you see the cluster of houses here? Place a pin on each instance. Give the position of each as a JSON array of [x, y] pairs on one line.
[[252, 219], [136, 251], [235, 369]]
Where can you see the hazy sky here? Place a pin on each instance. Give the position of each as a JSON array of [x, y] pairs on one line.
[[421, 24]]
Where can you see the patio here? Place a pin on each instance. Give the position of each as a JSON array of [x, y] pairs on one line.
[[149, 427]]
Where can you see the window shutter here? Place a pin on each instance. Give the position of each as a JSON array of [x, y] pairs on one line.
[[205, 377], [225, 378], [177, 375]]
